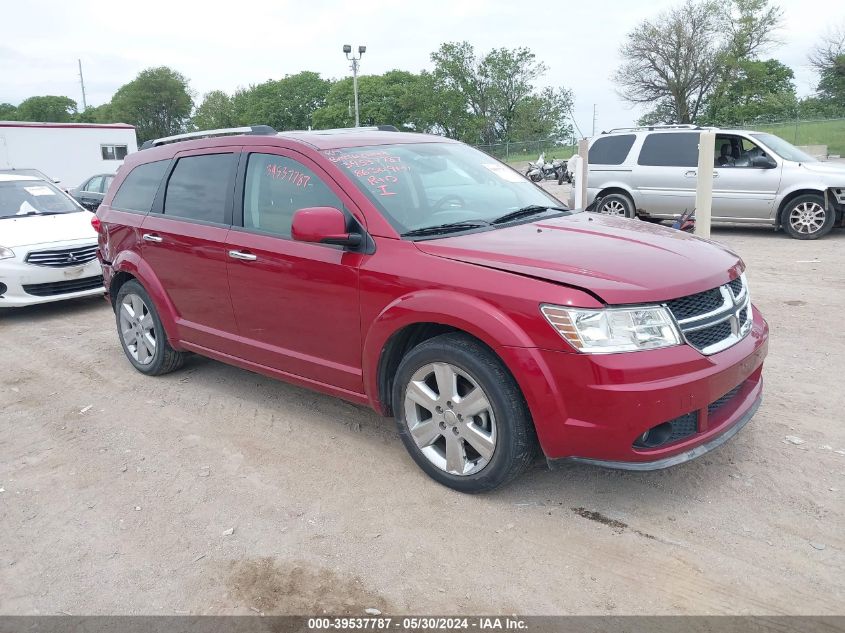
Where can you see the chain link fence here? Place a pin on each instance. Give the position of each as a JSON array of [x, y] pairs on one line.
[[806, 132], [519, 151]]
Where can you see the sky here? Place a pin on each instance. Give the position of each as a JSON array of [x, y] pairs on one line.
[[228, 45]]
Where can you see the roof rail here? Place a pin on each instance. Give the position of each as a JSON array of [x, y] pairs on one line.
[[661, 126], [348, 130], [258, 130]]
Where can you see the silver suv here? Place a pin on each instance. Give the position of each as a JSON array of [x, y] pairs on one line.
[[758, 178]]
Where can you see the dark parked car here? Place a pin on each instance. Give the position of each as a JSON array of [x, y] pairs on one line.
[[91, 192], [423, 278]]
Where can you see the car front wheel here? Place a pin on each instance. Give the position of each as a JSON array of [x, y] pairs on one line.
[[617, 204], [806, 218], [461, 414]]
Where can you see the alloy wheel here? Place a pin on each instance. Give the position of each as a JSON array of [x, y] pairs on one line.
[[807, 217], [137, 329], [614, 207], [450, 419]]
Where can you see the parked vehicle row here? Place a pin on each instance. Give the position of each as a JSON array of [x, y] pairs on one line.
[[758, 178], [421, 277]]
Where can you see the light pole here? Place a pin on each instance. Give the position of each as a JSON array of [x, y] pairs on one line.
[[355, 60]]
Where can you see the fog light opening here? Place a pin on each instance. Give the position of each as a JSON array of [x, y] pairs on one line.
[[655, 436]]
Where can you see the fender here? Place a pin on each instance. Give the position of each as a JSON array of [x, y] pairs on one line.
[[446, 307], [129, 261]]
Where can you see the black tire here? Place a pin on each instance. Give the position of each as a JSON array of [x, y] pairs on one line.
[[164, 358], [811, 203], [515, 443], [621, 204]]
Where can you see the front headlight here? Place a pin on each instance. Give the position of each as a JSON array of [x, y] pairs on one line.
[[613, 329], [6, 253]]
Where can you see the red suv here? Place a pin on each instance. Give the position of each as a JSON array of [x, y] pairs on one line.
[[423, 278]]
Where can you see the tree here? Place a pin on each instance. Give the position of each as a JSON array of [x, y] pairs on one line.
[[286, 104], [397, 97], [216, 111], [8, 112], [545, 115], [755, 91], [491, 86], [828, 60], [98, 114], [675, 62], [157, 102], [48, 108]]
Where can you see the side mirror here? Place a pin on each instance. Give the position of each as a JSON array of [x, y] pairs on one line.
[[763, 162], [323, 225]]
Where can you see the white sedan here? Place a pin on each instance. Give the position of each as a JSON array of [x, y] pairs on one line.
[[48, 248]]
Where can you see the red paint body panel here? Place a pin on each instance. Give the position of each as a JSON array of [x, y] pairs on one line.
[[319, 316]]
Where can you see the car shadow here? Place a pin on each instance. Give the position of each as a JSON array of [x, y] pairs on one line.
[[55, 309]]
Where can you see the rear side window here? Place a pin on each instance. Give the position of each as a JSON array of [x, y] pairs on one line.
[[200, 188], [676, 149], [611, 150], [138, 190]]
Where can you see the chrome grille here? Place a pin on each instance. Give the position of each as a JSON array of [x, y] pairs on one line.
[[716, 319], [63, 257]]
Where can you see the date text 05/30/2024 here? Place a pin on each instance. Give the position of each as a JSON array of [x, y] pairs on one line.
[[384, 623]]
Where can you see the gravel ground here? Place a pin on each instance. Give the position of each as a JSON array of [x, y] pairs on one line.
[[217, 491]]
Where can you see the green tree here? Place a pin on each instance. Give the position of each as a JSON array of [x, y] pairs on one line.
[[755, 91], [216, 111], [48, 108], [545, 115], [98, 114], [493, 87], [397, 98], [8, 112], [157, 102], [286, 104], [828, 60], [675, 62]]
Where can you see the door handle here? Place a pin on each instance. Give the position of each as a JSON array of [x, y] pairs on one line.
[[247, 257], [152, 237], [690, 174]]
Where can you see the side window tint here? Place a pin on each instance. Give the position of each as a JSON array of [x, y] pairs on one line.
[[277, 187], [611, 150], [673, 149], [138, 190], [198, 187]]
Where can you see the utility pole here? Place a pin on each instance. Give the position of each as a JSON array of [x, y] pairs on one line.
[[594, 119], [355, 63], [82, 83]]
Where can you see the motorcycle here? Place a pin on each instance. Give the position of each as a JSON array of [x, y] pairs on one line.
[[541, 170]]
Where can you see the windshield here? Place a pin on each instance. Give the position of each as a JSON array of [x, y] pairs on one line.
[[783, 149], [420, 185], [27, 195]]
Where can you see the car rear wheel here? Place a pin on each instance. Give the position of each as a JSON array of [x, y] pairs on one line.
[[616, 204], [461, 414], [806, 218], [141, 334]]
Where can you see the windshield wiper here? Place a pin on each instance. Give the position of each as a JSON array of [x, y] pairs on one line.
[[444, 228], [524, 212]]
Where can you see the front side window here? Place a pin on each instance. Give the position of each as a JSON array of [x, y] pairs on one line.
[[138, 190], [420, 185], [95, 185], [113, 152], [277, 187], [27, 195], [199, 188], [670, 149], [611, 150]]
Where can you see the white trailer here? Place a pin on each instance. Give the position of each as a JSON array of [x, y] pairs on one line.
[[67, 152]]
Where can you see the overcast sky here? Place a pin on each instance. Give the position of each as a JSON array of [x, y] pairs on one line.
[[228, 45]]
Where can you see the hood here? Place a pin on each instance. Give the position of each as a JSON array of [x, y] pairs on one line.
[[828, 168], [28, 230], [620, 261]]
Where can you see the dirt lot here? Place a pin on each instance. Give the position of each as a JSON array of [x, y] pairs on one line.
[[120, 492]]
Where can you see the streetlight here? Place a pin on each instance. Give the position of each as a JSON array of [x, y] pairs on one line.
[[355, 60]]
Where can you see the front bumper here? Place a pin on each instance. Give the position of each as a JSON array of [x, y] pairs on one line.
[[59, 284], [595, 407]]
